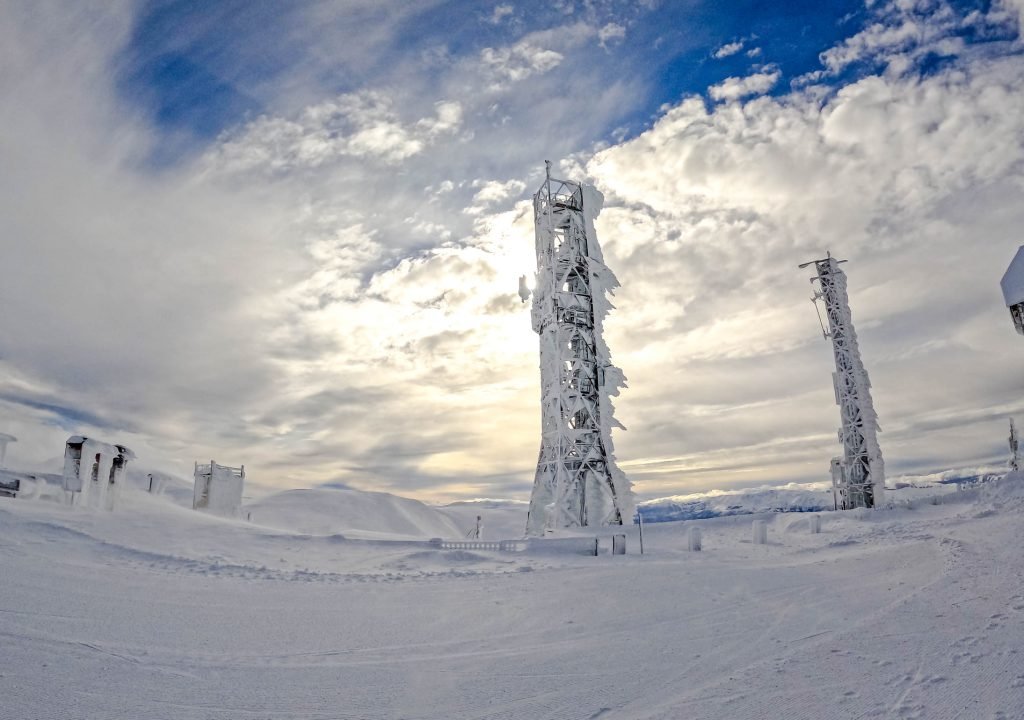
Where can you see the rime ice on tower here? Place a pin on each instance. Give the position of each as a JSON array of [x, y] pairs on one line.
[[1015, 460], [577, 483], [858, 477]]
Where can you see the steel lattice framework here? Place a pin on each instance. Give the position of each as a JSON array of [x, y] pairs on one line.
[[858, 477], [577, 483]]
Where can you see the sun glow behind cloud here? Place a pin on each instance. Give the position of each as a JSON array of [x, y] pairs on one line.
[[326, 287]]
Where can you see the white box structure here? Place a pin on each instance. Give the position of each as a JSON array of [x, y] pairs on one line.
[[760, 532], [218, 488], [858, 476], [94, 472], [1013, 289], [4, 439], [577, 482]]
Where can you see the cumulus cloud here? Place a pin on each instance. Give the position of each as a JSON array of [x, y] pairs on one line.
[[500, 12], [492, 192], [329, 290], [734, 88], [361, 125], [909, 177], [728, 49], [612, 32], [517, 62]]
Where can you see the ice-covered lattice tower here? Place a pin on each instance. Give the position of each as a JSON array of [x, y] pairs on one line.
[[577, 483], [858, 476], [1015, 461]]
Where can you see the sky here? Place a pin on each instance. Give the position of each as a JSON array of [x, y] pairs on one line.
[[289, 235]]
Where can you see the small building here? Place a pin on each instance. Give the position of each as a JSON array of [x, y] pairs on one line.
[[4, 439], [218, 488], [1013, 289], [94, 472]]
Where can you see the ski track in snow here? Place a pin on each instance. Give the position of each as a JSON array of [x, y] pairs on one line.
[[154, 612]]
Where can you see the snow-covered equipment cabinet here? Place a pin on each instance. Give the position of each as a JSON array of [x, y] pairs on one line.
[[1013, 289], [577, 483], [218, 488], [94, 472], [858, 476], [4, 439]]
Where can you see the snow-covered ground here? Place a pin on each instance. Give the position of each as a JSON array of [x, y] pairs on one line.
[[156, 611]]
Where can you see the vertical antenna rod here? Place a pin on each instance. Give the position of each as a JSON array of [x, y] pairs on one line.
[[858, 476]]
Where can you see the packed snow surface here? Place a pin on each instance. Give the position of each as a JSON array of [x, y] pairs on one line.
[[156, 611]]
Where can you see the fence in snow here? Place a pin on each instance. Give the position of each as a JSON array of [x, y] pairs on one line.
[[571, 546], [499, 545]]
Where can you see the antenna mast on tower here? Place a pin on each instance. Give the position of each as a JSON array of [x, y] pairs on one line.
[[577, 483], [858, 476]]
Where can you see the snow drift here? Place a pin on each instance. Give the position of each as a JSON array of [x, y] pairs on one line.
[[346, 511]]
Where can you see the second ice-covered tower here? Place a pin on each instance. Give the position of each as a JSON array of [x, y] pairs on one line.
[[577, 483], [858, 476]]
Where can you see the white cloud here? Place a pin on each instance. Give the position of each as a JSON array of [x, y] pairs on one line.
[[493, 192], [728, 49], [500, 13], [517, 62], [734, 88], [611, 32], [313, 300], [912, 179], [362, 125]]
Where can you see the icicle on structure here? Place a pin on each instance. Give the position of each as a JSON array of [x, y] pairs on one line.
[[577, 483], [1013, 289], [858, 476]]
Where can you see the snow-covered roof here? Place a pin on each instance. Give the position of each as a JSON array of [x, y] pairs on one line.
[[1013, 280], [102, 446]]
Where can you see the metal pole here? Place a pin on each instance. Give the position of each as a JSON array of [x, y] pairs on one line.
[[640, 520]]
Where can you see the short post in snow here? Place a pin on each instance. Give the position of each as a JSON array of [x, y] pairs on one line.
[[640, 522], [618, 544], [693, 539], [760, 532], [815, 524]]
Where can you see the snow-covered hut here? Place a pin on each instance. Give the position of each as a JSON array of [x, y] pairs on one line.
[[4, 439], [94, 472], [218, 488], [1013, 289]]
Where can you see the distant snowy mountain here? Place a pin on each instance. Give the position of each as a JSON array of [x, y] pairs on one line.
[[794, 497], [800, 497], [332, 510]]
